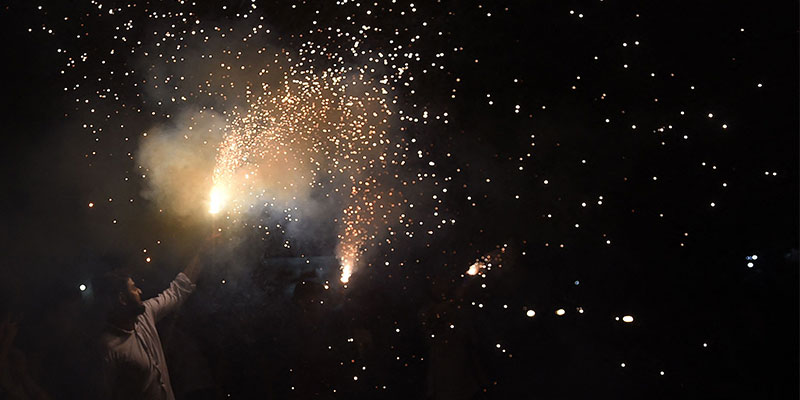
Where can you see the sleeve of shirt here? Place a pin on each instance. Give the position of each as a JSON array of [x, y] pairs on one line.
[[171, 298]]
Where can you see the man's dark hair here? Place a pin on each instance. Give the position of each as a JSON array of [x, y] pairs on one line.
[[109, 284]]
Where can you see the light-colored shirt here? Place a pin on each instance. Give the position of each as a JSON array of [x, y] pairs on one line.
[[134, 364]]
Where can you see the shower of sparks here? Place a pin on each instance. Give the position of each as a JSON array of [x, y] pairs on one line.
[[325, 132]]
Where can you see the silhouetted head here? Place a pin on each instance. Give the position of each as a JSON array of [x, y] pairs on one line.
[[120, 293]]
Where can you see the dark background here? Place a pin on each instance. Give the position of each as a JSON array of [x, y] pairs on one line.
[[716, 328]]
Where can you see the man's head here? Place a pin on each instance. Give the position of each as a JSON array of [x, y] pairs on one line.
[[120, 293]]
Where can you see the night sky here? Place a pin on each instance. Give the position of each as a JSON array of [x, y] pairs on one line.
[[535, 199]]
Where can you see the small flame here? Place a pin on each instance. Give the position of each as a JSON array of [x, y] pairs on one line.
[[474, 268], [217, 200]]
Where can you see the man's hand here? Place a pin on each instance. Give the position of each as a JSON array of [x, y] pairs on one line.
[[192, 270]]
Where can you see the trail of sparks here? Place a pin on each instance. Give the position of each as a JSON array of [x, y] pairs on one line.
[[485, 263]]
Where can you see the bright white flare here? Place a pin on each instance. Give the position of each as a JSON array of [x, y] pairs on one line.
[[217, 200]]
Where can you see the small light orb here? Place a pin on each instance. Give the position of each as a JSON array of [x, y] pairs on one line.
[[627, 318], [82, 287], [530, 313], [560, 312]]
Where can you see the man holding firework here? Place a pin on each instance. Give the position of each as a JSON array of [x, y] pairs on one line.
[[133, 360]]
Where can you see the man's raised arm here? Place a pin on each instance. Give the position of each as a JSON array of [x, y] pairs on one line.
[[171, 298], [180, 288]]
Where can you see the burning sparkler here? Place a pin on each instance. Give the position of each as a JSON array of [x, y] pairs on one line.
[[347, 271]]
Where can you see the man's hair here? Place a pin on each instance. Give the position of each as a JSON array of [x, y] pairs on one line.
[[109, 284]]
